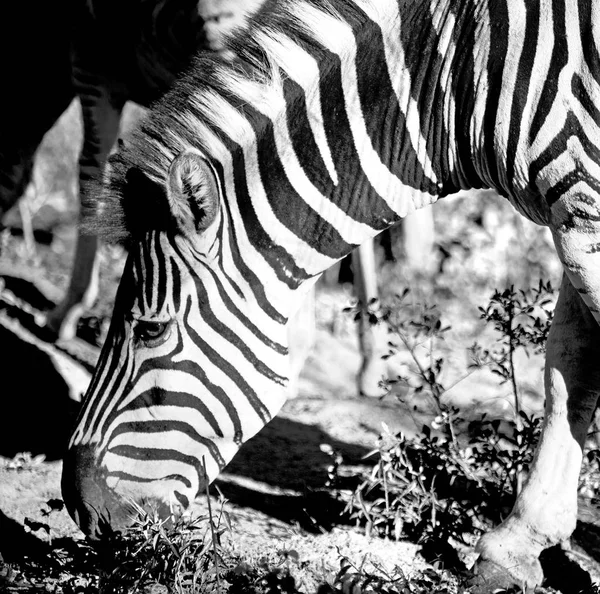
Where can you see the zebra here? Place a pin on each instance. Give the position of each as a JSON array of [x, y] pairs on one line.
[[245, 182]]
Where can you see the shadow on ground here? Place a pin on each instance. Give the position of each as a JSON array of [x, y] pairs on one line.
[[23, 301], [314, 511], [587, 533], [37, 411], [40, 378], [26, 291], [288, 454], [15, 542], [282, 472]]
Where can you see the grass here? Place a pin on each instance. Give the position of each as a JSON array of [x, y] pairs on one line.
[[179, 558]]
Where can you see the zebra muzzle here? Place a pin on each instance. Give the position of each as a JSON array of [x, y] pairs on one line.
[[92, 504]]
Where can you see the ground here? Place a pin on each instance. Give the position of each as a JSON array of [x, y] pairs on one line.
[[270, 486]]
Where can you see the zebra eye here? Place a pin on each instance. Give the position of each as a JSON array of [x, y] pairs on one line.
[[150, 333]]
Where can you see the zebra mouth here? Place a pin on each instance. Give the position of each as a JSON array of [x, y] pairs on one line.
[[98, 509], [94, 507]]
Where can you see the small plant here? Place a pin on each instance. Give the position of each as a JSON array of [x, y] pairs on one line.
[[523, 319], [270, 574], [24, 461], [442, 484], [426, 488], [370, 577], [589, 478], [417, 328], [178, 552]]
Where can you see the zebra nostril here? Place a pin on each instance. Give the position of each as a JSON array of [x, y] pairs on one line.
[[82, 501], [88, 499]]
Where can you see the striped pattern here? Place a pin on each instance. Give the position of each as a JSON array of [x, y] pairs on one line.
[[344, 117]]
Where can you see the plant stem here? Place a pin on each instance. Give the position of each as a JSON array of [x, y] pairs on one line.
[[212, 528], [517, 484]]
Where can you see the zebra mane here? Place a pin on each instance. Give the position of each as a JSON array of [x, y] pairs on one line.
[[207, 109]]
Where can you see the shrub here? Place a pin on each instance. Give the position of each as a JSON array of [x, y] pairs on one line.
[[442, 484]]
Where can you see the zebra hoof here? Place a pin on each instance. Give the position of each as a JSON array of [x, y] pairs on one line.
[[489, 576]]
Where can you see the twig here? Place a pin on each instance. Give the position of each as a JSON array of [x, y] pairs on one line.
[[212, 527]]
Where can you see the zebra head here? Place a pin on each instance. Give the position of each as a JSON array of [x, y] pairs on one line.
[[185, 375], [245, 182]]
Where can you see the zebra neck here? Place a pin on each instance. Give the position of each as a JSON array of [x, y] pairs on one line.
[[354, 129], [342, 121]]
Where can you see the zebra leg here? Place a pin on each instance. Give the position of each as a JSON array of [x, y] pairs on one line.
[[101, 112], [418, 238], [18, 147], [545, 512], [371, 338], [24, 205], [301, 338], [16, 171]]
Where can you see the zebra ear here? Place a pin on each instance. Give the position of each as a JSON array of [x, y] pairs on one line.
[[192, 191]]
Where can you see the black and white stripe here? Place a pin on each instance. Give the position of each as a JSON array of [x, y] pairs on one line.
[[341, 118]]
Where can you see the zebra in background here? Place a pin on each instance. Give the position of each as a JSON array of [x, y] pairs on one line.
[[105, 52], [246, 182], [41, 62]]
